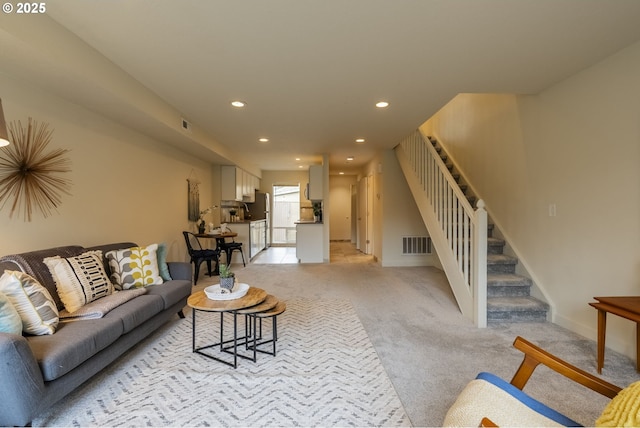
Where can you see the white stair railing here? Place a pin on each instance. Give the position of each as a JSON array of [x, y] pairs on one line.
[[458, 232]]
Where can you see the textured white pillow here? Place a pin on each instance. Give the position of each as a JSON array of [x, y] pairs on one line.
[[80, 279], [134, 267], [32, 301], [10, 321]]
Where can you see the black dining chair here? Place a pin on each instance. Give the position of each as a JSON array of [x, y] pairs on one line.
[[229, 248], [199, 255]]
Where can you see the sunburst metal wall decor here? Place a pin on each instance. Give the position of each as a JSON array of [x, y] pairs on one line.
[[30, 177]]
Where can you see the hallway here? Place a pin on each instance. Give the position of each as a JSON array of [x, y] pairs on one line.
[[339, 252]]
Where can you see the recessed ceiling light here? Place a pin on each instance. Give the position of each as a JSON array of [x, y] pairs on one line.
[[300, 166], [341, 173], [264, 140], [238, 104], [298, 159], [350, 158], [360, 140], [382, 104]]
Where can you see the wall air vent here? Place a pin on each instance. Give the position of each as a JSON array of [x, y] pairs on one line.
[[416, 245], [185, 124]]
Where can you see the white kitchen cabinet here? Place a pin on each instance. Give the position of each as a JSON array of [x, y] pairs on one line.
[[237, 184], [309, 247], [249, 187], [315, 189], [258, 232], [230, 183]]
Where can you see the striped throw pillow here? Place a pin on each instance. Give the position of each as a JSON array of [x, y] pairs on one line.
[[32, 301]]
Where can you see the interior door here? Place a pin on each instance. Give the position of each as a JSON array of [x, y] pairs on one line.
[[362, 215], [370, 236]]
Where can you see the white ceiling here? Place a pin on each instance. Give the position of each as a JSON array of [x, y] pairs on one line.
[[311, 71]]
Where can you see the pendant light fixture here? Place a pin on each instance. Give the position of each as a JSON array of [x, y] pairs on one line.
[[4, 135]]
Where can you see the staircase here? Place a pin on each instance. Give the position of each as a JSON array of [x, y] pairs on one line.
[[508, 294]]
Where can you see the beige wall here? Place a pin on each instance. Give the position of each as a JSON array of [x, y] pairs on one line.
[[126, 187], [395, 214], [576, 145]]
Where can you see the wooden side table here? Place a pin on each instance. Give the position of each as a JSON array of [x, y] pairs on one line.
[[271, 307], [199, 301], [624, 306]]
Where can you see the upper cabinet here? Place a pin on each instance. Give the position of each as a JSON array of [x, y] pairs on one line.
[[237, 184], [315, 189]]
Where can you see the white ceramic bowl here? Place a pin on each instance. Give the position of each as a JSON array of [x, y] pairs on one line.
[[215, 292]]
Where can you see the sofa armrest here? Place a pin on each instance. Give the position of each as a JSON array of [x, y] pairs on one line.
[[22, 385], [180, 270]]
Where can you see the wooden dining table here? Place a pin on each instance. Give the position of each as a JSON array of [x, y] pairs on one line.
[[217, 236]]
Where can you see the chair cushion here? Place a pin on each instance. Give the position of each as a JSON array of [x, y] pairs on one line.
[[492, 397]]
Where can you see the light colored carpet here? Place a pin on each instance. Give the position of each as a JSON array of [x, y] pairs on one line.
[[326, 373], [427, 348]]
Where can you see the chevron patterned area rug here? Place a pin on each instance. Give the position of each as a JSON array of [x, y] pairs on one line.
[[326, 373]]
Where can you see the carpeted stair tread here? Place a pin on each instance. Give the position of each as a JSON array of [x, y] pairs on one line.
[[495, 242], [516, 304], [501, 259], [507, 279], [495, 245], [508, 285], [516, 309]]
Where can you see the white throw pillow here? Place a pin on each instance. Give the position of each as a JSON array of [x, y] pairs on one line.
[[32, 301], [10, 321], [80, 279]]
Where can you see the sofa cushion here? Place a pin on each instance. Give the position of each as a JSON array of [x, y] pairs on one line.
[[32, 301], [72, 344], [134, 267], [80, 279], [136, 311], [10, 321], [171, 291]]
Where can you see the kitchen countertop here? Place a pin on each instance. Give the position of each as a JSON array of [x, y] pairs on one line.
[[307, 222], [245, 221]]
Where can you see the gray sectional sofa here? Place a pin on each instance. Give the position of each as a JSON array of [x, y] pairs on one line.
[[37, 371]]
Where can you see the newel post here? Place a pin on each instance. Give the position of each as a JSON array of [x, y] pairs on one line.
[[480, 265]]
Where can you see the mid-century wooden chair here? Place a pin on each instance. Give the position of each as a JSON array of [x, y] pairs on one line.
[[489, 401]]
